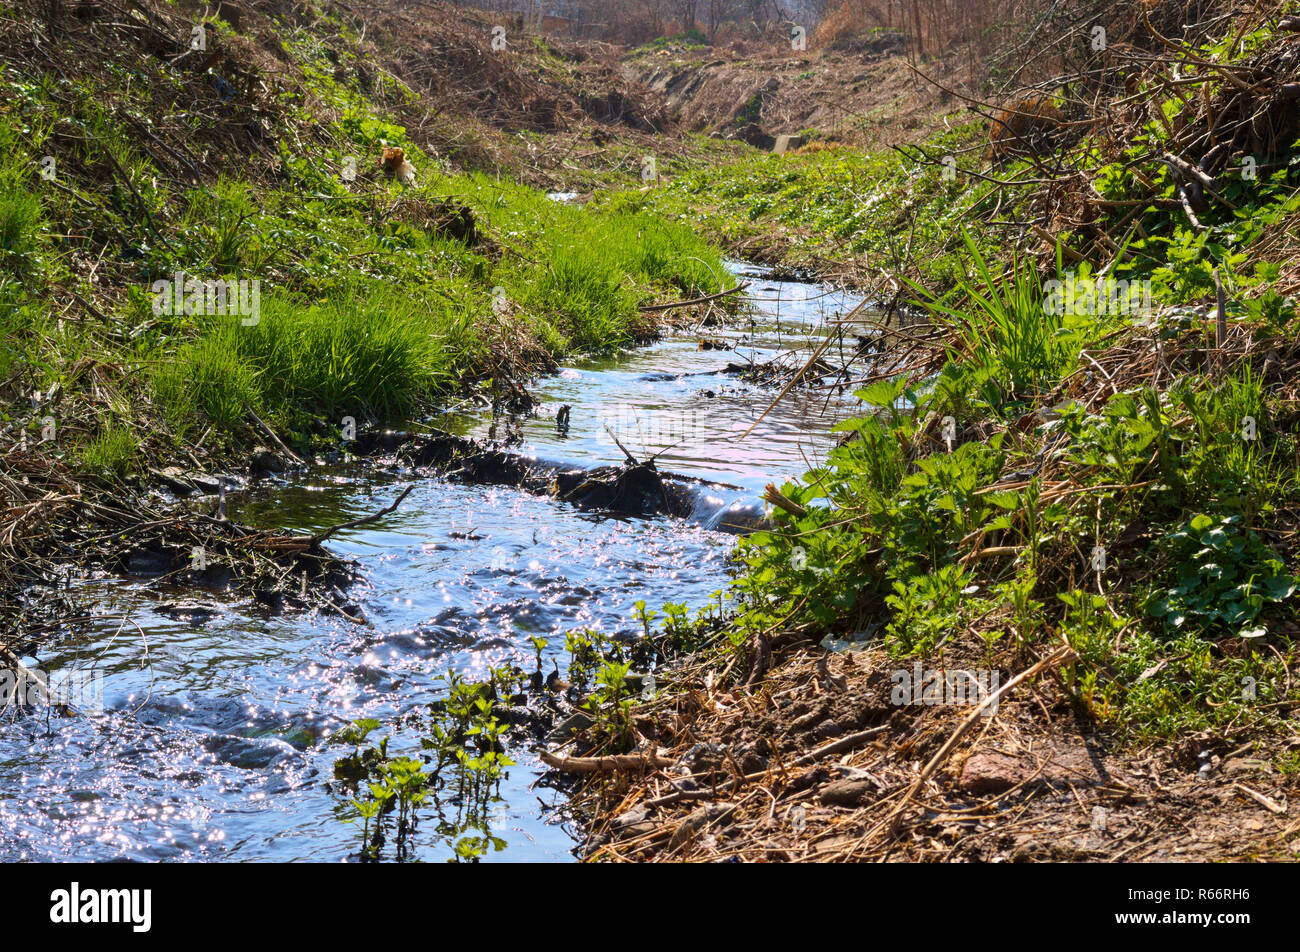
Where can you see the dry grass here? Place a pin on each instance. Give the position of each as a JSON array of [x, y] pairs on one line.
[[757, 776]]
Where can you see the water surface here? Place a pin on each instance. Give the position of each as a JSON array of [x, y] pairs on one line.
[[212, 746]]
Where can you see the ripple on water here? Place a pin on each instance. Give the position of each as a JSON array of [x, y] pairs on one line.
[[210, 746]]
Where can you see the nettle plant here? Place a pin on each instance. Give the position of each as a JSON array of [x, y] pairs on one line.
[[926, 607], [584, 647], [610, 706], [598, 663], [382, 784]]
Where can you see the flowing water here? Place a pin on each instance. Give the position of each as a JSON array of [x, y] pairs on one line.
[[211, 742]]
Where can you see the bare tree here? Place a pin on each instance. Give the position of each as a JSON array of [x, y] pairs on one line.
[[686, 10]]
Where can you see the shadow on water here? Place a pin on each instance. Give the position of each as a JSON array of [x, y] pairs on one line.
[[211, 741]]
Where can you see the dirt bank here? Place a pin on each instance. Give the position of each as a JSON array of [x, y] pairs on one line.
[[819, 761], [865, 94]]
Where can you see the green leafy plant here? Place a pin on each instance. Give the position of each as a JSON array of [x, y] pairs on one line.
[[610, 705], [539, 644], [463, 741], [388, 783], [584, 649], [645, 616], [1225, 576], [925, 608]]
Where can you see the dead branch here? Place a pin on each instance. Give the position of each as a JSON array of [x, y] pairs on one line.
[[700, 300], [320, 537]]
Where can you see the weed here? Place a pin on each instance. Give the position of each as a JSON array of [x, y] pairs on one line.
[[1224, 577], [461, 733], [111, 453]]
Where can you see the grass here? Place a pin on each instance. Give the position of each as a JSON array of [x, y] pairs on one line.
[[1002, 334], [575, 280], [371, 305], [382, 355], [205, 380], [1179, 479], [831, 203], [111, 452]]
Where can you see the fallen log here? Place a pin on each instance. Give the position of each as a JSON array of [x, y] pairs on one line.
[[610, 763]]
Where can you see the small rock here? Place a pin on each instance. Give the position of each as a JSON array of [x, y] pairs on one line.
[[203, 482], [857, 773], [1244, 766], [847, 793], [703, 757], [569, 726], [188, 611], [518, 715], [986, 773], [828, 729], [638, 814], [753, 762], [812, 778], [262, 462], [148, 562], [701, 817], [992, 772], [637, 680], [173, 477]]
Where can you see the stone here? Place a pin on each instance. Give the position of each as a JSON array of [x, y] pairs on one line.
[[205, 483], [569, 726], [634, 817], [828, 729], [786, 143], [709, 813], [847, 793], [988, 772], [263, 462], [173, 477]]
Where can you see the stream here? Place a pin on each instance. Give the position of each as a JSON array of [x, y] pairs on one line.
[[211, 741]]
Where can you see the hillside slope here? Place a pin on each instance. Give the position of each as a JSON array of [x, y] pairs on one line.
[[201, 256], [1073, 499]]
